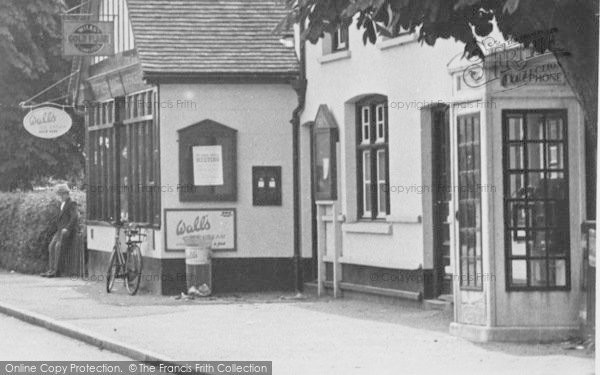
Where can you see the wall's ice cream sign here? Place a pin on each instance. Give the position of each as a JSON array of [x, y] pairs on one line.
[[87, 38], [47, 122], [215, 225]]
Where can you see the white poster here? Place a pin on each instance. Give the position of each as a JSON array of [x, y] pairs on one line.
[[208, 165], [216, 225]]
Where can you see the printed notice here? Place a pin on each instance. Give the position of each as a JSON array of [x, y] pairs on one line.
[[208, 165]]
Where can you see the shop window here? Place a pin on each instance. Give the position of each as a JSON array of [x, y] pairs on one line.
[[373, 159], [469, 201], [123, 160], [536, 202], [207, 162], [101, 162], [139, 160]]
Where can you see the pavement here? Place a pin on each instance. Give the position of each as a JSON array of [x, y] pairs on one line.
[[300, 336], [26, 342]]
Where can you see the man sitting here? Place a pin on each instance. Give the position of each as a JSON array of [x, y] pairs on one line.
[[65, 226]]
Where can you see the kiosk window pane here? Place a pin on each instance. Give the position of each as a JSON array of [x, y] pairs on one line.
[[469, 201], [536, 204]]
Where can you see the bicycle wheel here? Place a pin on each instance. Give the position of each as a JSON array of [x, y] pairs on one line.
[[133, 269], [113, 269]]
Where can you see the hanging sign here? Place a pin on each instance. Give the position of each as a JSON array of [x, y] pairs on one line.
[[47, 122], [208, 165], [84, 38]]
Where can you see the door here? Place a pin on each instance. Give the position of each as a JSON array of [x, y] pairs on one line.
[[442, 195]]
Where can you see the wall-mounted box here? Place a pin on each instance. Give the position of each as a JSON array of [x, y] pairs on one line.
[[266, 186]]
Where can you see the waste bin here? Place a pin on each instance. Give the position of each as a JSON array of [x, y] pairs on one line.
[[198, 265]]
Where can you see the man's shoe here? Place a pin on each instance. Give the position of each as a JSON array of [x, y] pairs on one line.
[[51, 274], [44, 274]]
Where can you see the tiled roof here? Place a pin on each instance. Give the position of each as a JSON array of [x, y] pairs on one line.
[[210, 37]]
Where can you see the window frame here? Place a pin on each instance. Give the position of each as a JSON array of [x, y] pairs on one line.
[[128, 121], [471, 124], [368, 143], [337, 39], [524, 169]]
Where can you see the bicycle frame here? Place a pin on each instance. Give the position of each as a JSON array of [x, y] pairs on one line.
[[120, 256]]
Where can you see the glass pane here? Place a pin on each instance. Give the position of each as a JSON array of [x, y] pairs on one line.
[[518, 215], [557, 272], [379, 113], [367, 165], [537, 244], [476, 159], [381, 168], [469, 129], [554, 128], [515, 128], [557, 241], [518, 244], [464, 267], [519, 272], [535, 156], [461, 130], [382, 196], [517, 185], [535, 126], [554, 158], [535, 186], [515, 155], [557, 187], [537, 272], [367, 202], [538, 217], [472, 272]]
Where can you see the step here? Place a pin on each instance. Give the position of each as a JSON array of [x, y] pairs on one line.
[[437, 304]]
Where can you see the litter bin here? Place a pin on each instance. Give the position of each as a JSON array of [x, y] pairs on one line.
[[198, 265]]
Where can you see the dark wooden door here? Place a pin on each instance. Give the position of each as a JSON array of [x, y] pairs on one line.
[[442, 194]]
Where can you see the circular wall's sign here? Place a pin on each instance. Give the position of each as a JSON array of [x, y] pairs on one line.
[[89, 38], [47, 122]]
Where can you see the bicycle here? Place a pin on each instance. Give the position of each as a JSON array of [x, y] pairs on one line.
[[126, 265]]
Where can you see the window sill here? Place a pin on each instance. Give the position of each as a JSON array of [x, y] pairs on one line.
[[397, 41], [368, 227], [335, 56]]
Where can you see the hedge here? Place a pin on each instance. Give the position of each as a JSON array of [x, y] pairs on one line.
[[24, 228]]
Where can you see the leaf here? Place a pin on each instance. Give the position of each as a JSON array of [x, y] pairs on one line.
[[510, 6]]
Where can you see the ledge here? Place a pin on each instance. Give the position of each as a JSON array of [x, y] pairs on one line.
[[341, 55], [397, 41], [366, 289], [368, 227]]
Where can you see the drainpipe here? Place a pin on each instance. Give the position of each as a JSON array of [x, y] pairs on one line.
[[299, 86]]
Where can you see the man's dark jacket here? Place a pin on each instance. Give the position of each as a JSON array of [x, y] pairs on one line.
[[67, 218]]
